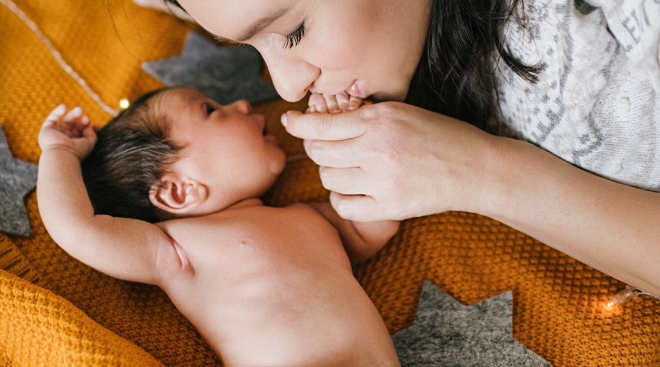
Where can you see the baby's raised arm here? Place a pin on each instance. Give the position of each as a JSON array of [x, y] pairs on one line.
[[123, 248]]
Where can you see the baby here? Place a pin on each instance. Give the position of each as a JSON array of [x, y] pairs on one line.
[[169, 195]]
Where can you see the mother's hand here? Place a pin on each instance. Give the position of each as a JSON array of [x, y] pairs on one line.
[[395, 161]]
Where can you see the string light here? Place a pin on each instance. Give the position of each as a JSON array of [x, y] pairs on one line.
[[629, 293], [124, 103]]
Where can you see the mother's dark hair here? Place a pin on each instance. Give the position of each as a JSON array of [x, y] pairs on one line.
[[464, 40]]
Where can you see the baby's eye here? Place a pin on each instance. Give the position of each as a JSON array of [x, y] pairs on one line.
[[209, 109]]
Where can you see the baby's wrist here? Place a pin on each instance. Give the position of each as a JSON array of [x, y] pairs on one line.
[[61, 149]]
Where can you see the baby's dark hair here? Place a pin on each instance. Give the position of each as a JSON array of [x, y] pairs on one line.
[[130, 156]]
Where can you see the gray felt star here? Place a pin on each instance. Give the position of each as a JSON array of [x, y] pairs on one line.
[[446, 333], [223, 74], [17, 179]]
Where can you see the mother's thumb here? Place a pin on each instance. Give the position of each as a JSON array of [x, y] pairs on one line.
[[285, 116]]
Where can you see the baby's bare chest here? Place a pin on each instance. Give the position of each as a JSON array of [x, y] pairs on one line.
[[256, 239]]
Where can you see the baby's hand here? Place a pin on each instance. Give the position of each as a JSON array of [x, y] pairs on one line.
[[72, 132], [341, 102]]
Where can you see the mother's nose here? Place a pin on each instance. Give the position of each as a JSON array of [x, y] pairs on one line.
[[292, 76]]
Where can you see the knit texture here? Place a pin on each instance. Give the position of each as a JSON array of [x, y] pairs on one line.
[[558, 302], [597, 101], [38, 328]]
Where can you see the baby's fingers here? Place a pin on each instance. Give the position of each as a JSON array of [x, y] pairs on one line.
[[331, 102], [89, 132], [343, 101], [354, 103], [55, 115], [70, 118], [79, 125], [317, 103]]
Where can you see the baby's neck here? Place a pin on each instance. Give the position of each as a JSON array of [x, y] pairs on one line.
[[245, 204]]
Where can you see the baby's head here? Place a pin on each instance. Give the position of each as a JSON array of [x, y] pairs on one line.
[[176, 153]]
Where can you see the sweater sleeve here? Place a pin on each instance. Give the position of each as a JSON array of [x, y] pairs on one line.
[[636, 26]]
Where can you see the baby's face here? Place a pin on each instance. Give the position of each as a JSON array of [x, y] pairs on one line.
[[226, 148]]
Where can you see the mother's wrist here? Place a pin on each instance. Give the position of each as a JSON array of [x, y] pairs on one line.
[[501, 177]]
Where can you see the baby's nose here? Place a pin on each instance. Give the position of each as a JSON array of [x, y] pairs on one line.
[[242, 106]]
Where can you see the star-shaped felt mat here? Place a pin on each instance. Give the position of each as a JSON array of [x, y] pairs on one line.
[[224, 74], [447, 333], [17, 179]]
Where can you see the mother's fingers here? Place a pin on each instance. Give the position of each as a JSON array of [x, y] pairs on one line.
[[339, 153], [347, 181], [360, 208], [324, 126]]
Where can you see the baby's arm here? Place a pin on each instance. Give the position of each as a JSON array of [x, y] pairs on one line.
[[123, 248], [361, 240]]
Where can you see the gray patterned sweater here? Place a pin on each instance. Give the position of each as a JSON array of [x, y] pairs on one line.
[[597, 101]]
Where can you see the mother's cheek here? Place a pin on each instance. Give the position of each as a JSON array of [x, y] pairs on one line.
[[337, 45]]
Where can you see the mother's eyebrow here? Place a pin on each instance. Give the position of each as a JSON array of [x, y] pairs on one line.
[[257, 26]]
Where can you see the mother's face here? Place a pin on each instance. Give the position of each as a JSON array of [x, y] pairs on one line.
[[364, 47]]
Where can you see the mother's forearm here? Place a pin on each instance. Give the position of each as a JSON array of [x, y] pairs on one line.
[[613, 227]]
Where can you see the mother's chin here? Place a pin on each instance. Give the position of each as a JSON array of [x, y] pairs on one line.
[[385, 96]]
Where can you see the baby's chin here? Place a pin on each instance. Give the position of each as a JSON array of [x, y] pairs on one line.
[[278, 163]]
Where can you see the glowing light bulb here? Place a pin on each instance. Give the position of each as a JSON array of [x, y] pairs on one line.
[[124, 103], [628, 294]]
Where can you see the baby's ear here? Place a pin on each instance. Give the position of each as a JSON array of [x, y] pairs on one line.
[[178, 194]]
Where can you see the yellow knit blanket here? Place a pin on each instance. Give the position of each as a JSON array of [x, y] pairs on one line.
[[55, 310]]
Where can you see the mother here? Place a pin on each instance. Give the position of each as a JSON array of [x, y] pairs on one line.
[[568, 89]]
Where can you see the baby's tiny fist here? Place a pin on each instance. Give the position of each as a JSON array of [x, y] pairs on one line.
[[317, 103], [335, 103]]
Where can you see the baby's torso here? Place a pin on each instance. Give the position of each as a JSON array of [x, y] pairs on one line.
[[260, 277]]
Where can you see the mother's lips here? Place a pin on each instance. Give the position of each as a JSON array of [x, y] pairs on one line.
[[354, 90]]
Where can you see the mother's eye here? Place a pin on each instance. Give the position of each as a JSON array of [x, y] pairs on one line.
[[292, 39]]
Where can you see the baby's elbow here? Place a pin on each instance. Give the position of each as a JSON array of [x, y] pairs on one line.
[[362, 253], [172, 262]]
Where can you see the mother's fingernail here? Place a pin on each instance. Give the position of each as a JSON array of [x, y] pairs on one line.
[[284, 119]]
